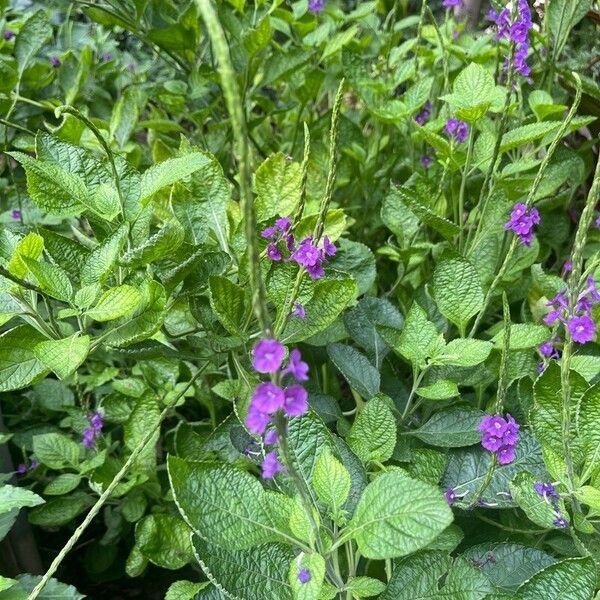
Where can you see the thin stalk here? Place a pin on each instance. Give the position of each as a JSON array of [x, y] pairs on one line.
[[37, 590], [532, 192], [419, 33], [503, 381], [440, 38], [463, 185], [235, 108]]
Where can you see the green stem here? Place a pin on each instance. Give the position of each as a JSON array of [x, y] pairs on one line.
[[463, 185]]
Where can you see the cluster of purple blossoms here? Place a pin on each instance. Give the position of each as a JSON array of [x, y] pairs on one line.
[[579, 322], [500, 436], [316, 6], [548, 352], [452, 3], [93, 431], [549, 493], [8, 35], [22, 468], [307, 254], [522, 220], [517, 32], [424, 114], [269, 398], [457, 130]]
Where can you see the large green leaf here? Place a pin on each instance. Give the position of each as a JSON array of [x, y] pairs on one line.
[[31, 39], [19, 366], [397, 515], [63, 356], [12, 497], [115, 303], [588, 426], [56, 450], [451, 429], [159, 245], [60, 511], [227, 301], [277, 184], [144, 417], [100, 262], [52, 279], [53, 590], [331, 481], [562, 16], [356, 369]]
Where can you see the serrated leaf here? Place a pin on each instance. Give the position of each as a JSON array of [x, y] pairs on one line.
[[572, 579], [19, 366], [115, 303], [185, 590], [31, 39], [31, 246], [331, 481], [472, 93], [523, 336], [397, 515], [373, 433], [315, 565], [158, 246], [465, 352], [277, 184], [144, 417], [365, 587], [588, 426], [60, 511], [339, 40], [12, 497], [457, 290], [442, 389], [356, 368], [53, 590], [453, 428], [100, 263], [228, 302], [125, 115], [56, 450], [464, 582], [51, 279], [63, 484], [64, 356]]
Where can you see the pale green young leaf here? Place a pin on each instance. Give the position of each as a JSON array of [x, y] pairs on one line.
[[523, 336], [300, 524], [228, 302], [365, 587], [158, 246], [315, 565], [19, 366], [63, 484], [64, 356], [125, 115], [52, 279], [277, 185], [373, 433], [105, 201], [31, 39], [100, 263], [56, 450], [397, 515], [31, 246], [465, 352], [452, 428], [115, 303], [331, 481], [12, 497], [442, 389], [339, 40], [185, 590], [6, 583], [356, 369]]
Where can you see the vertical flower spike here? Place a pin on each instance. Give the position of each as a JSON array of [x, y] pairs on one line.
[[521, 222], [500, 436], [271, 465], [458, 130], [267, 356]]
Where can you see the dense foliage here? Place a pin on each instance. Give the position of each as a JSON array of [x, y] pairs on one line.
[[298, 299]]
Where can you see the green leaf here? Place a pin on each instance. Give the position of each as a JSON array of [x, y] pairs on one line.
[[397, 515], [310, 590], [331, 481], [100, 263], [465, 352], [588, 425], [562, 16], [52, 279], [222, 503], [453, 428], [356, 369], [65, 356], [570, 579], [54, 590], [6, 583], [185, 590], [411, 200], [31, 246], [442, 389], [143, 418], [60, 511], [51, 187], [457, 290], [169, 172], [56, 450], [31, 39], [365, 587], [339, 40], [63, 484], [19, 366], [329, 300], [464, 582], [124, 116], [510, 564], [12, 497], [277, 184], [428, 465], [115, 303], [373, 433], [397, 217], [227, 301], [523, 336], [357, 261], [473, 93], [259, 573], [158, 246], [540, 510]]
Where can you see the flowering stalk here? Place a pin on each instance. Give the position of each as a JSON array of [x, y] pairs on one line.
[[528, 203]]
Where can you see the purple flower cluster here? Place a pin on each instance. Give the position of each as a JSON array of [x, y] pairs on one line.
[[452, 3], [522, 220], [549, 493], [457, 130], [500, 436], [548, 352], [270, 398], [278, 232], [93, 431], [425, 113], [22, 468], [316, 6], [15, 214], [517, 32], [579, 322]]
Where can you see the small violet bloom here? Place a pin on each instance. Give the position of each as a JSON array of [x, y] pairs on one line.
[[8, 35], [304, 576], [521, 222], [452, 3], [256, 421], [500, 436], [424, 114], [597, 222], [296, 401], [15, 214], [271, 438], [296, 367], [547, 490], [582, 329], [316, 6], [271, 465], [21, 469], [267, 356], [426, 161], [299, 311], [458, 130], [55, 61], [106, 57], [450, 496], [560, 522], [267, 398]]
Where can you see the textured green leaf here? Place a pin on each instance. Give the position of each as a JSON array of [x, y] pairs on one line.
[[115, 303], [339, 40], [523, 336], [54, 590], [259, 573], [562, 16], [329, 300], [570, 579], [373, 433], [442, 389], [453, 428], [63, 484], [465, 352], [65, 356], [427, 464], [464, 582], [356, 369], [100, 263], [588, 426], [158, 246], [331, 481], [457, 290], [31, 246], [52, 279], [222, 503], [357, 261], [315, 565], [12, 497], [397, 515], [143, 418], [125, 115], [19, 366], [185, 590], [31, 39], [56, 450], [365, 587], [277, 184], [472, 93], [60, 511], [227, 301], [6, 583]]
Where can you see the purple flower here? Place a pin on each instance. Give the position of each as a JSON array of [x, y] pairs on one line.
[[560, 522], [303, 575], [546, 349], [500, 436], [450, 496], [456, 129], [316, 6], [452, 3], [582, 329], [597, 222], [299, 311], [296, 401], [96, 421], [131, 66], [307, 254], [267, 398], [88, 440], [521, 222], [424, 114], [547, 490], [106, 57], [34, 464], [494, 425], [505, 455], [8, 35], [271, 438], [256, 421], [329, 247], [271, 465], [296, 367], [267, 356], [273, 252], [55, 61], [21, 469], [15, 214], [518, 33], [280, 230], [567, 268], [426, 160], [491, 442]]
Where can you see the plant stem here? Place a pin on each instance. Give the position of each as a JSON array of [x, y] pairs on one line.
[[463, 185]]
